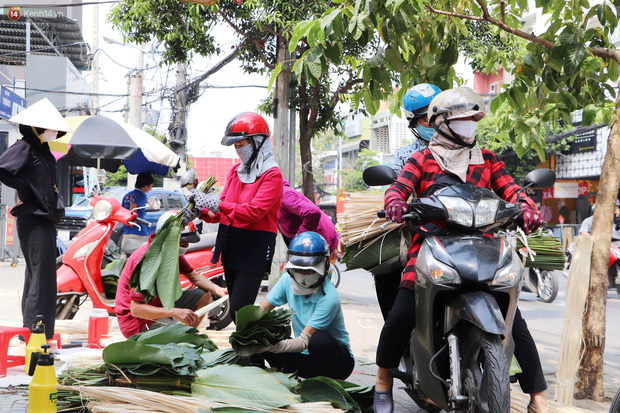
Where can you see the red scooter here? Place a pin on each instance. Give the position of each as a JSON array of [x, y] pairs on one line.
[[80, 275]]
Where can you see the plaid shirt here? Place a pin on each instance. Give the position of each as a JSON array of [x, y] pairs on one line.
[[422, 170]]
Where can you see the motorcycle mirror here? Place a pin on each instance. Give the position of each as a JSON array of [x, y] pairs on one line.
[[153, 204], [379, 175], [540, 178]]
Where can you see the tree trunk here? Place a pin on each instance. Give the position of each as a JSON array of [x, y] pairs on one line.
[[281, 108], [590, 376], [307, 175]]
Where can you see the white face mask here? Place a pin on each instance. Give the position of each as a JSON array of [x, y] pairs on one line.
[[182, 250], [49, 135], [245, 153], [301, 283], [465, 128]]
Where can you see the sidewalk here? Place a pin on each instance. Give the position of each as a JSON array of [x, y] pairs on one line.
[[363, 322]]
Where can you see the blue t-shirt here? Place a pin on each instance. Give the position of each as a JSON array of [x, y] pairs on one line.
[[138, 197], [322, 310]]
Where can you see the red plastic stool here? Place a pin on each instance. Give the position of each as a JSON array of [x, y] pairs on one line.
[[6, 361], [55, 338]]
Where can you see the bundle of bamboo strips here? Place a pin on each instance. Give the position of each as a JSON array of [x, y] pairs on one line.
[[117, 399], [572, 334], [359, 220]]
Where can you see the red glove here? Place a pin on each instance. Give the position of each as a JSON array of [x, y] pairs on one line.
[[531, 218], [395, 210]]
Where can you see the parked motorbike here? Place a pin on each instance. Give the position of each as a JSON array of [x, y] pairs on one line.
[[80, 275], [613, 273], [542, 282], [467, 287]]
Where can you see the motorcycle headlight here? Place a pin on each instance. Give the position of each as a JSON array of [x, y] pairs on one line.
[[102, 210], [459, 211], [429, 267], [510, 274], [486, 211]]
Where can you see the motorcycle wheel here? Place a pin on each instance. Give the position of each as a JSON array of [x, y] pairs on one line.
[[220, 317], [485, 373], [549, 288], [615, 404], [335, 276], [67, 306]]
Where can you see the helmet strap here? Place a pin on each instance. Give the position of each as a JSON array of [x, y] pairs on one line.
[[455, 137]]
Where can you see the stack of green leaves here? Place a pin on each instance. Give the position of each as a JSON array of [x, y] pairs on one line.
[[171, 350], [548, 249], [341, 394], [256, 329], [157, 274]]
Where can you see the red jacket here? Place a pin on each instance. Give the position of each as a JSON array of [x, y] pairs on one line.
[[248, 220]]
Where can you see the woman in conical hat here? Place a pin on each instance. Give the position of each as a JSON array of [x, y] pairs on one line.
[[29, 167]]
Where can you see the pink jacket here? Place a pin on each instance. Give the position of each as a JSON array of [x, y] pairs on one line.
[[298, 214]]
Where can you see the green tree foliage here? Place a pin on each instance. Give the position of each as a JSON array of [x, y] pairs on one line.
[[352, 177]]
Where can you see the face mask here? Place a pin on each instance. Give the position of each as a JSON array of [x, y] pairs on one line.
[[465, 128], [425, 133], [182, 250], [245, 153], [49, 135], [300, 283]]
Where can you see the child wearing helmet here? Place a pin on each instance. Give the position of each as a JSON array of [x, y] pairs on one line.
[[452, 156], [29, 167], [415, 105], [321, 344], [246, 210], [134, 315]]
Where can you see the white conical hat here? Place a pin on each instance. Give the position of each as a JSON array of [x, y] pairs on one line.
[[43, 115]]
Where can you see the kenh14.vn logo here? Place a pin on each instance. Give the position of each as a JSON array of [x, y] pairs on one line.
[[14, 13]]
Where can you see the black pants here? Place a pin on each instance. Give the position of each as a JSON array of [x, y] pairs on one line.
[[38, 244], [242, 288], [327, 358], [386, 287], [395, 334]]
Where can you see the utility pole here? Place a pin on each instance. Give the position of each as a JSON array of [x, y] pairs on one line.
[[178, 130], [281, 109], [135, 92], [94, 81]]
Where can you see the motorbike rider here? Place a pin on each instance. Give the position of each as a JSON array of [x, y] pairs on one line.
[[321, 345], [247, 209], [134, 315], [586, 224], [188, 182], [134, 236], [452, 156], [415, 105]]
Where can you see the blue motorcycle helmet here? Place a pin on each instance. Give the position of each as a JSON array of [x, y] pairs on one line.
[[415, 103], [308, 260]]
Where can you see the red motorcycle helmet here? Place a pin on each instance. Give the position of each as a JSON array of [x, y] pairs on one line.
[[245, 125]]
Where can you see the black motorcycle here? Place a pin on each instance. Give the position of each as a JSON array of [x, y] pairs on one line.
[[467, 287]]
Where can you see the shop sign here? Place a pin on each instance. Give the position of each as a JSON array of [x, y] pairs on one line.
[[584, 142], [547, 193], [10, 103], [566, 190], [583, 188]]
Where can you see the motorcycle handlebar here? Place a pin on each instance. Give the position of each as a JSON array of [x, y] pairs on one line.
[[142, 221], [381, 213]]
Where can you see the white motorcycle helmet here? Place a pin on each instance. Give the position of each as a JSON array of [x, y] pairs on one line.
[[189, 233]]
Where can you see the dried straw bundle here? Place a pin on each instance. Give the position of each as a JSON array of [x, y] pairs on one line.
[[117, 399], [572, 333], [359, 220]]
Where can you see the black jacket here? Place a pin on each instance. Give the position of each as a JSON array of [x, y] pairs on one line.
[[25, 165]]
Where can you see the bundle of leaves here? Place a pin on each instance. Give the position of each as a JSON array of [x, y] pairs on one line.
[[171, 350], [341, 394], [157, 274], [256, 328], [219, 357], [110, 275], [246, 386]]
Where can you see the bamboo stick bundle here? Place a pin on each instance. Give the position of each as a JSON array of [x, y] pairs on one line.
[[153, 402], [572, 333], [359, 220]]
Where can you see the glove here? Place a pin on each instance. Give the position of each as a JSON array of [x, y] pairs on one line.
[[210, 200], [531, 218], [292, 345], [395, 210], [189, 216]]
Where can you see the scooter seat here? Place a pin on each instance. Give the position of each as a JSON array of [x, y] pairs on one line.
[[206, 241]]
